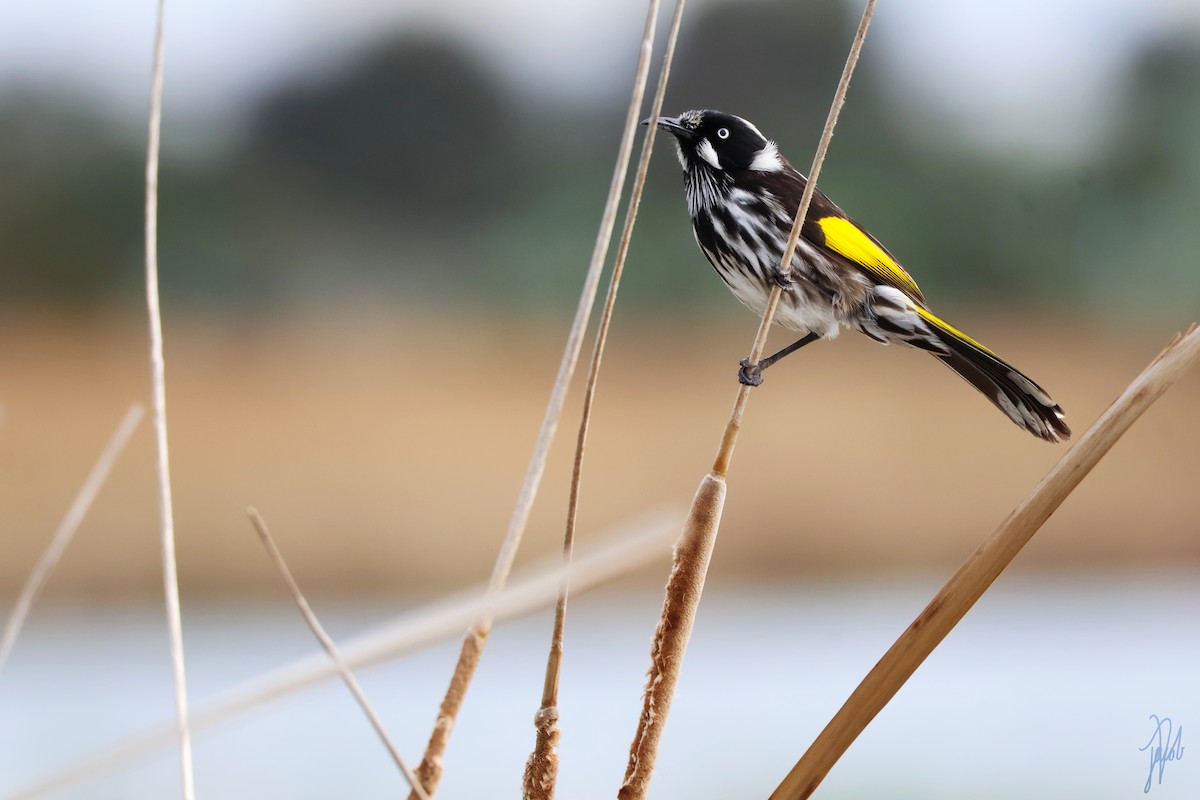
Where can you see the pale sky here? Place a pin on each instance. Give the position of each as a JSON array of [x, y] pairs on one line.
[[982, 60]]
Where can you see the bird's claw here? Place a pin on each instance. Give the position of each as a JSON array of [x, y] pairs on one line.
[[784, 280], [749, 375]]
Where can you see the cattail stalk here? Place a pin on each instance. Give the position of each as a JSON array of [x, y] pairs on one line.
[[430, 770], [541, 769], [694, 550]]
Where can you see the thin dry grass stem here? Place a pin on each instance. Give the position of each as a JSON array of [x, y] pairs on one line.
[[159, 391], [694, 550], [983, 567], [729, 438], [541, 769], [66, 529], [260, 527], [684, 588], [475, 638], [629, 547]]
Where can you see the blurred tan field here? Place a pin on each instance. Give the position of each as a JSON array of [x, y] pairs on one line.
[[386, 447]]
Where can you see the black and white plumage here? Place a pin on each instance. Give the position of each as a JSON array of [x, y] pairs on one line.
[[742, 196]]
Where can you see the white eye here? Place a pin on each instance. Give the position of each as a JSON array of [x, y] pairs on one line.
[[723, 133]]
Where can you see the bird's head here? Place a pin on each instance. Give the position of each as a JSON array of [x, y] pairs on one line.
[[714, 140]]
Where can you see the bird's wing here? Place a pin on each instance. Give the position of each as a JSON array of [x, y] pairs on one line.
[[827, 227]]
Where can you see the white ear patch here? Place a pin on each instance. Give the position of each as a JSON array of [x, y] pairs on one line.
[[767, 159], [705, 150]]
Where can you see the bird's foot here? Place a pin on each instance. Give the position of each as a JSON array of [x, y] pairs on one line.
[[784, 280], [749, 375]]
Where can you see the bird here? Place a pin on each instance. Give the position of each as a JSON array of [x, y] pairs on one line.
[[742, 196]]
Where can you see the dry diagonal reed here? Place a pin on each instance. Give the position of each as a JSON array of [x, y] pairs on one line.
[[541, 769], [694, 551], [983, 567], [621, 551], [260, 527], [430, 768], [66, 529], [159, 392]]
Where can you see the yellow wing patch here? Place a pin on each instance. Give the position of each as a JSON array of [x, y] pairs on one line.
[[938, 322], [846, 239]]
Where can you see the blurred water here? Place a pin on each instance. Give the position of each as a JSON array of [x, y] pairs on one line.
[[1045, 689]]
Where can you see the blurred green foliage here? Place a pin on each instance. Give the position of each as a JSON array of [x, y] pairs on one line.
[[416, 171]]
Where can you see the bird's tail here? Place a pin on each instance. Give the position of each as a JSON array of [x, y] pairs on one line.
[[1022, 400]]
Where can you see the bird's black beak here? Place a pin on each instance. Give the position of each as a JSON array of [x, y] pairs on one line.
[[671, 125]]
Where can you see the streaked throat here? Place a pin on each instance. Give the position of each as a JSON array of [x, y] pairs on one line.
[[705, 188]]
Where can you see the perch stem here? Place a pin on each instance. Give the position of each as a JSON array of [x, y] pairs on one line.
[[729, 437]]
